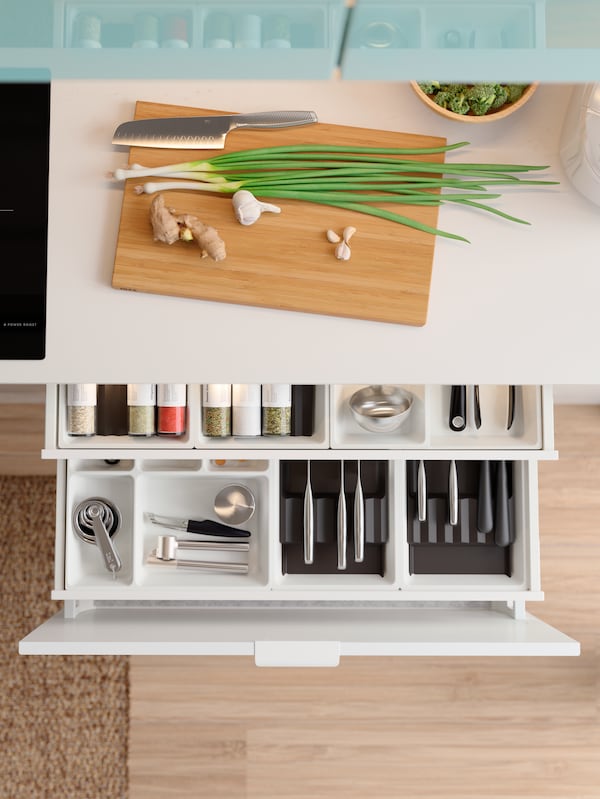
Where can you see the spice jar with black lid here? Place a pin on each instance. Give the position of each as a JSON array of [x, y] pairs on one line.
[[141, 408], [276, 409], [82, 399], [216, 410]]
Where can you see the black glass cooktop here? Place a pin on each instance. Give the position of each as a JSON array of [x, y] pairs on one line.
[[24, 144]]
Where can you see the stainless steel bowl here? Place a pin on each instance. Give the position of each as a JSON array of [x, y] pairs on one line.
[[381, 409], [235, 504]]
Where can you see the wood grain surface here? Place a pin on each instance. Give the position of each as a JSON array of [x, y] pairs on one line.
[[283, 261], [421, 728]]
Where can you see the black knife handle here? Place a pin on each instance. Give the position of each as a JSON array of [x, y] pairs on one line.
[[502, 533], [208, 527], [458, 408], [485, 508]]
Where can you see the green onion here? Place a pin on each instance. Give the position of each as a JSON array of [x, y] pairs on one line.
[[357, 179]]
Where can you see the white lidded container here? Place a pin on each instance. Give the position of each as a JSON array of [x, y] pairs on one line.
[[246, 409], [580, 141]]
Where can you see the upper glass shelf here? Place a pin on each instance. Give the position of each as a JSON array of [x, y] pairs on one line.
[[516, 40]]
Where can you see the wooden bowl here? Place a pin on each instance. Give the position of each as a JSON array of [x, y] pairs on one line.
[[491, 116]]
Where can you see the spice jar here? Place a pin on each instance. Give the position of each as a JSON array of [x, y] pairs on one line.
[[81, 409], [141, 408], [218, 31], [277, 32], [145, 31], [276, 409], [171, 401], [245, 411], [216, 409]]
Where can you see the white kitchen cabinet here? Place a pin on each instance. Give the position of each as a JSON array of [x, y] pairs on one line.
[[404, 599]]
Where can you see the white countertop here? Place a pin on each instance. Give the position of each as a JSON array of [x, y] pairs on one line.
[[517, 305]]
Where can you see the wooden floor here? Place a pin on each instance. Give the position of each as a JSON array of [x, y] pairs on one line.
[[388, 728]]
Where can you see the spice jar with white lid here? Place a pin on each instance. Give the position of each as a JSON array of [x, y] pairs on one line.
[[141, 408], [171, 399], [216, 410], [276, 409], [82, 399], [246, 409]]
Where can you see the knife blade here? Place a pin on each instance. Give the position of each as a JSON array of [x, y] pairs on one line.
[[452, 494], [198, 526], [202, 132]]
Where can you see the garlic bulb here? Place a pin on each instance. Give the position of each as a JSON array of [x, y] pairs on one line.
[[248, 209]]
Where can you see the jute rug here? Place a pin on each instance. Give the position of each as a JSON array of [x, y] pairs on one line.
[[63, 720]]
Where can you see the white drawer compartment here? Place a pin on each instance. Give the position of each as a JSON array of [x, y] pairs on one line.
[[403, 560], [132, 490], [427, 425], [309, 424]]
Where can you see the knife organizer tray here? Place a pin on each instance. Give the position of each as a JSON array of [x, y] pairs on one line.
[[435, 546], [186, 488], [325, 479]]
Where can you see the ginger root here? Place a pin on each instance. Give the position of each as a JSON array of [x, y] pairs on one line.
[[164, 225], [169, 227], [206, 237]]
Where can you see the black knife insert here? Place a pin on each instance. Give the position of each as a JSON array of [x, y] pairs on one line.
[[436, 547], [325, 480]]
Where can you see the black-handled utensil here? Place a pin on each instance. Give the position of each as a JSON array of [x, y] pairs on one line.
[[458, 408], [512, 391], [476, 407], [485, 505], [502, 532], [198, 526]]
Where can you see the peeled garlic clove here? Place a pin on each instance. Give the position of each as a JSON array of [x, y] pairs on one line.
[[342, 251], [348, 233], [332, 237], [248, 209]]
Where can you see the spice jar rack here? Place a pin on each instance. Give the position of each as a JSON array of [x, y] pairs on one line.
[[228, 39], [334, 428]]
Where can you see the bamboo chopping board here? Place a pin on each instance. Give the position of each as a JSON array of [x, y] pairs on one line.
[[283, 261]]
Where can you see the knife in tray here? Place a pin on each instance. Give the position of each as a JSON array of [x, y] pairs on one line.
[[198, 526], [202, 132]]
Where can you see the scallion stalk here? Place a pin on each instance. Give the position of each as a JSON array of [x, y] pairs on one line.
[[357, 179]]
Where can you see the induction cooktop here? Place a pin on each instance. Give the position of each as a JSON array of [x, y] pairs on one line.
[[24, 144]]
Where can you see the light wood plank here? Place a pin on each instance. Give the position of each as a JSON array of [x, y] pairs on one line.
[[430, 728], [22, 439]]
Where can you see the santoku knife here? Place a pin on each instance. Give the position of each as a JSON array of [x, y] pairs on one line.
[[202, 132]]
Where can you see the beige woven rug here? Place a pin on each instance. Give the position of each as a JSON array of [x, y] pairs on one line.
[[63, 720]]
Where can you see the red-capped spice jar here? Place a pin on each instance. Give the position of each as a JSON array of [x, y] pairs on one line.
[[175, 32], [171, 399]]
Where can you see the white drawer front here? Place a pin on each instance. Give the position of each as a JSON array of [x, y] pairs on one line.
[[298, 637]]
